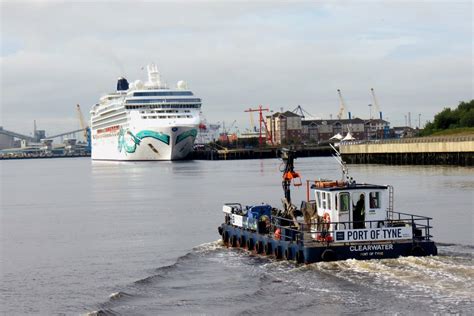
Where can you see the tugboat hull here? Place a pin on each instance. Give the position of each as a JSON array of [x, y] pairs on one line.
[[310, 251]]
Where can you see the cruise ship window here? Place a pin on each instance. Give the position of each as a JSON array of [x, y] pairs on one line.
[[143, 117]]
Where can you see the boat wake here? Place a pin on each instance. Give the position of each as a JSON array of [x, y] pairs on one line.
[[214, 275]]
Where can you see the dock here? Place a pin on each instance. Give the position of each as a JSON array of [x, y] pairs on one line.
[[257, 153], [446, 150]]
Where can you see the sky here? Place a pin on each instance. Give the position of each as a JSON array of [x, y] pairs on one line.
[[235, 55]]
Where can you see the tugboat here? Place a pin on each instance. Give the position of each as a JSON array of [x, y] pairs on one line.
[[344, 220]]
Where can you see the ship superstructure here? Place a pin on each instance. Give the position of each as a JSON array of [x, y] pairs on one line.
[[145, 121]]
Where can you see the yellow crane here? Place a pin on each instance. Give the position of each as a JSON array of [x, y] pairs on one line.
[[377, 107], [84, 127], [342, 107]]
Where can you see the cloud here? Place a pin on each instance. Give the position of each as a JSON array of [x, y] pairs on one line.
[[235, 55]]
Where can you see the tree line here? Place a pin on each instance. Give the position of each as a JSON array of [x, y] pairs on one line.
[[461, 117]]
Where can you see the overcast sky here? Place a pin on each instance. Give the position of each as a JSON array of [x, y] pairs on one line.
[[417, 55]]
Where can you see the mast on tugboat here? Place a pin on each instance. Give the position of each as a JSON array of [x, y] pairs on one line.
[[289, 174]]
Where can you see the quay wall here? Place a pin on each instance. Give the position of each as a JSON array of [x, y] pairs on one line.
[[232, 154], [432, 150]]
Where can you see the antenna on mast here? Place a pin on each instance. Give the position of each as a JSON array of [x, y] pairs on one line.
[[345, 171]]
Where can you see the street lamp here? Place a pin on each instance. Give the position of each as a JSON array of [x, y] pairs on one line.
[[370, 111]]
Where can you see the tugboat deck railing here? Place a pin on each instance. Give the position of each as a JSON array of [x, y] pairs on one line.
[[420, 226], [303, 231]]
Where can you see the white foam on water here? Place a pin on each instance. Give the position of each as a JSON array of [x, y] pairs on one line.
[[209, 247], [435, 279]]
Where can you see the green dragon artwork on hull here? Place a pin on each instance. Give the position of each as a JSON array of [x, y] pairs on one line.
[[136, 139]]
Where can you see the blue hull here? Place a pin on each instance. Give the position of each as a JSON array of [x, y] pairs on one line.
[[313, 251]]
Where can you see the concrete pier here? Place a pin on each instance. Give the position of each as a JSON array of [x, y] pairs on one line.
[[412, 151], [256, 153]]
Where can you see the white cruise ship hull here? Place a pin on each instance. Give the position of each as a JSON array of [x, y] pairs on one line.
[[148, 143]]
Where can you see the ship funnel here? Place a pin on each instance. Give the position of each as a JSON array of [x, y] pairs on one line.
[[122, 84]]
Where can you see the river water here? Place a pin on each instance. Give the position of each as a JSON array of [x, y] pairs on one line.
[[82, 237]]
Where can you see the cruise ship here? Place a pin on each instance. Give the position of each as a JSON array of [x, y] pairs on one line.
[[145, 121]]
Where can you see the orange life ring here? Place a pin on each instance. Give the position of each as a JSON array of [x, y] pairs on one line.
[[326, 218], [324, 234], [278, 234]]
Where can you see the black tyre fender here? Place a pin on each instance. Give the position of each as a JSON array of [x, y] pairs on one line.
[[299, 256], [242, 241], [287, 254], [417, 251], [233, 240], [268, 248], [250, 244], [225, 237], [328, 255], [277, 252], [219, 229], [258, 247]]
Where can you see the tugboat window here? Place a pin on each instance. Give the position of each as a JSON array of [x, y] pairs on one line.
[[374, 199], [344, 202], [329, 200]]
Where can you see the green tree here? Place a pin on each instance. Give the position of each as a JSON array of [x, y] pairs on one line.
[[467, 119], [462, 116]]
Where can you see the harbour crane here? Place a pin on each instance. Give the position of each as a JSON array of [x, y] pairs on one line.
[[225, 131], [342, 107], [85, 128], [268, 134], [253, 128], [301, 112], [377, 108]]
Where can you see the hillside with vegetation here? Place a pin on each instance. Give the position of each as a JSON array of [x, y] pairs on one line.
[[452, 122]]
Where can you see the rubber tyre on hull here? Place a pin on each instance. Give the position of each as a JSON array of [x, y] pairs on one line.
[[277, 252], [287, 254], [233, 241], [268, 248], [242, 241], [299, 256], [418, 251], [329, 255], [250, 244], [225, 237], [259, 247]]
